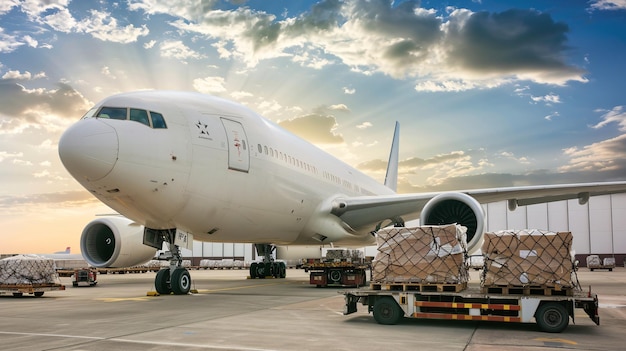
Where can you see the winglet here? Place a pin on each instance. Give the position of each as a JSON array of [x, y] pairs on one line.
[[391, 178]]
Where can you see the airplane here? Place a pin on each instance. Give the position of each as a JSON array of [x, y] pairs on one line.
[[67, 251], [180, 166]]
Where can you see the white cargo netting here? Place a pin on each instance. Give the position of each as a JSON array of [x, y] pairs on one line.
[[28, 270]]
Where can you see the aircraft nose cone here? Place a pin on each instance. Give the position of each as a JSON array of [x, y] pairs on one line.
[[89, 149]]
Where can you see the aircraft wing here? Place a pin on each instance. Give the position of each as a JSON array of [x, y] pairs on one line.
[[360, 211]]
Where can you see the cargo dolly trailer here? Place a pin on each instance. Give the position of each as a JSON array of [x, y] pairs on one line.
[[551, 311]]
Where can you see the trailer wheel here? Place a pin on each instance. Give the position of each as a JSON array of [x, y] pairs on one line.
[[387, 311], [18, 294], [552, 317], [38, 293]]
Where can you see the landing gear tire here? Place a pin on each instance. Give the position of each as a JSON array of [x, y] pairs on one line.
[[282, 269], [161, 282], [181, 281], [253, 270], [261, 270], [552, 317]]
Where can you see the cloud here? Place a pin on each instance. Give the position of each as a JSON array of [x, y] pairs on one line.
[[459, 51], [23, 108], [178, 50], [616, 115], [209, 85], [548, 99], [339, 107], [349, 91], [6, 155], [17, 75], [608, 5], [66, 199], [101, 25], [8, 43], [524, 44], [606, 155], [364, 125], [314, 128], [7, 5]]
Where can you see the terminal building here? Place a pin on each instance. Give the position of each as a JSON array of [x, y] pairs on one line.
[[598, 227]]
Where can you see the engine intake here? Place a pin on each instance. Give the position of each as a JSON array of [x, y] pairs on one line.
[[450, 208], [114, 242]]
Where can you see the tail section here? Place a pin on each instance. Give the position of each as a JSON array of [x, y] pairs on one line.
[[391, 178]]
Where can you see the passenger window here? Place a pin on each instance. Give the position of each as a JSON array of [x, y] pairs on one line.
[[112, 112], [140, 116], [266, 152], [260, 148], [158, 122]]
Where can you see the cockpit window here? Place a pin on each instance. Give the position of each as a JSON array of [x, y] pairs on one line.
[[150, 119], [157, 120], [140, 116], [90, 113], [112, 113]]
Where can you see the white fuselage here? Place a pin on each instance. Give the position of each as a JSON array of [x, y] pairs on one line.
[[218, 171]]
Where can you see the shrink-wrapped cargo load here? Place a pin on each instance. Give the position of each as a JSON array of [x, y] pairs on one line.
[[28, 270], [528, 258], [426, 254]]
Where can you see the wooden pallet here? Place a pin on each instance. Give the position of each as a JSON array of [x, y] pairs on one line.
[[420, 287], [544, 290]]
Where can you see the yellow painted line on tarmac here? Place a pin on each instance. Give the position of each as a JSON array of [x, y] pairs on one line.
[[208, 291], [151, 294], [120, 299], [557, 340]]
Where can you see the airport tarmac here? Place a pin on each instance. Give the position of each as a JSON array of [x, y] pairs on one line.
[[230, 312]]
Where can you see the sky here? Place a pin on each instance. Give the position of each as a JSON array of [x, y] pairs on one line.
[[487, 93]]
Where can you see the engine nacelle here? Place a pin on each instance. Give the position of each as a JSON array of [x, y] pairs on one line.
[[114, 242], [449, 208]]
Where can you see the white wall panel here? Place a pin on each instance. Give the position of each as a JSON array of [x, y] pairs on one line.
[[496, 216], [537, 217], [558, 216], [579, 226], [517, 219], [600, 224], [229, 249], [216, 250], [240, 250], [618, 204], [197, 248], [248, 252]]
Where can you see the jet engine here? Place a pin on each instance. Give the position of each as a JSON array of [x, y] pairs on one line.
[[460, 208], [114, 242]]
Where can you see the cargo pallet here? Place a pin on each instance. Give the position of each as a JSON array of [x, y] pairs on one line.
[[551, 313], [33, 289]]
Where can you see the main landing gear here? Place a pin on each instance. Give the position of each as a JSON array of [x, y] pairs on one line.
[[174, 279], [269, 267]]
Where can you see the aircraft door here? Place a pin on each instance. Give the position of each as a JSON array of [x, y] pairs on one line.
[[238, 148]]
